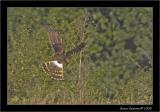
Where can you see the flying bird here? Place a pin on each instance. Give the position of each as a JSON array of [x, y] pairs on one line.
[[54, 68]]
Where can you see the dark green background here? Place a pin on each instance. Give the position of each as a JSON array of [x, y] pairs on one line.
[[116, 62]]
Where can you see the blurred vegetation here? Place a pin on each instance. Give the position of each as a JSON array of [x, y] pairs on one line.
[[116, 64]]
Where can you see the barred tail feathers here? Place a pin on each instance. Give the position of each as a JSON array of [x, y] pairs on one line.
[[54, 70]]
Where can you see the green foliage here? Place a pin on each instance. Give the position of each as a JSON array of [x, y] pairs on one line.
[[116, 63]]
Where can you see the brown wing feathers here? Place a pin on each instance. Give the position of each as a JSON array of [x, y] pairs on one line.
[[55, 40], [53, 35], [75, 50]]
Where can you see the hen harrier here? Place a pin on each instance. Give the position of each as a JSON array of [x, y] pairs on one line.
[[60, 57]]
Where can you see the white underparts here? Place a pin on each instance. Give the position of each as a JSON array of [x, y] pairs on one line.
[[57, 64]]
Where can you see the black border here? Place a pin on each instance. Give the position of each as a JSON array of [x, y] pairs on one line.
[[5, 4]]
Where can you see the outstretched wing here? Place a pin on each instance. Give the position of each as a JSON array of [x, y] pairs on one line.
[[77, 49], [55, 40], [54, 69]]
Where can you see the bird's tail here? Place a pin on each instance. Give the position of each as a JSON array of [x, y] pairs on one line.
[[52, 70]]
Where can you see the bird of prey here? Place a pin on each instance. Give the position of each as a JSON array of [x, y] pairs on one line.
[[54, 68]]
